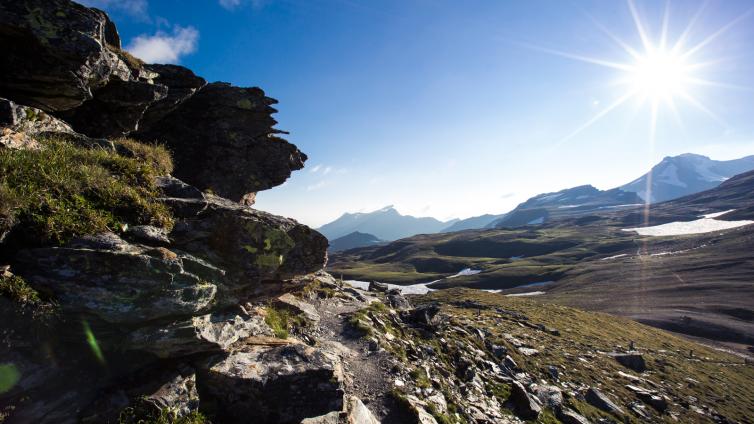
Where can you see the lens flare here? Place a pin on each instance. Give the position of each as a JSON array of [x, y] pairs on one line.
[[91, 340]]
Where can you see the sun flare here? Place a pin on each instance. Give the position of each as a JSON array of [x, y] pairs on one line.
[[660, 75]]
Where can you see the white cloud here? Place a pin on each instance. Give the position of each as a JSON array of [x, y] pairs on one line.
[[163, 47], [327, 170], [137, 8], [315, 169]]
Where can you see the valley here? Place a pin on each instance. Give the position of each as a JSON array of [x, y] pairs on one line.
[[694, 284]]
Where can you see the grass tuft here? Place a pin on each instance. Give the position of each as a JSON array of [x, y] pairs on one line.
[[62, 190], [282, 320]]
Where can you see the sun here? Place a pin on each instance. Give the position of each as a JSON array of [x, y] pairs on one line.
[[658, 72], [660, 75]]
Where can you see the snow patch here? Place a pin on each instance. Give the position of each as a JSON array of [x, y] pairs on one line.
[[466, 271], [717, 214], [534, 293], [614, 257], [699, 226], [412, 289], [669, 175]]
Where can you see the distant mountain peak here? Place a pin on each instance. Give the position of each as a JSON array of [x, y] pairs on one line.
[[688, 173], [385, 223]]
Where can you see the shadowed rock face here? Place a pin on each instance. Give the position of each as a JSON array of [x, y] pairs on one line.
[[279, 385], [223, 140], [55, 54]]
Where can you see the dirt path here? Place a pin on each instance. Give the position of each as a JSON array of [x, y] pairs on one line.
[[367, 373]]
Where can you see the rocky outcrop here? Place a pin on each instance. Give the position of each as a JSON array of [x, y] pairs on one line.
[[153, 318], [56, 53], [224, 141], [66, 59]]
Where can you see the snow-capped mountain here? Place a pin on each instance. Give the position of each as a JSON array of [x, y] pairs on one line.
[[386, 224], [686, 174]]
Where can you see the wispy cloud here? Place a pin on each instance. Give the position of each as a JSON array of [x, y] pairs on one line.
[[163, 47], [233, 4], [135, 8], [327, 170], [507, 195], [315, 169], [316, 186]]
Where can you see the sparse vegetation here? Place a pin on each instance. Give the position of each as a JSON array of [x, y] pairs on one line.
[[63, 190], [282, 320], [164, 416], [15, 288]]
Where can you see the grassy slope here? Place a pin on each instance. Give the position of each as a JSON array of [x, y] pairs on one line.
[[713, 378], [64, 190]]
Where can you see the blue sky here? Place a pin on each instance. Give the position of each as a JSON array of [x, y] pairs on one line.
[[452, 109]]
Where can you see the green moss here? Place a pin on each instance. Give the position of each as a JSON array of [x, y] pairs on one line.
[[244, 104], [16, 289], [62, 190]]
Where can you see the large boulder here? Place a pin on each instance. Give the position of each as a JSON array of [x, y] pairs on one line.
[[56, 53], [223, 140], [254, 247], [524, 403], [600, 400], [120, 282], [284, 384]]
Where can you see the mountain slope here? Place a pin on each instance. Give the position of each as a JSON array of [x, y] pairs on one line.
[[686, 174], [472, 223], [386, 224], [569, 202], [353, 240]]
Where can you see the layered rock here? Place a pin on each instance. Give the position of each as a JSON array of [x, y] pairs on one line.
[[227, 128]]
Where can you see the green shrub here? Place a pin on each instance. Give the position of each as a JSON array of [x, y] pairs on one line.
[[63, 190]]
